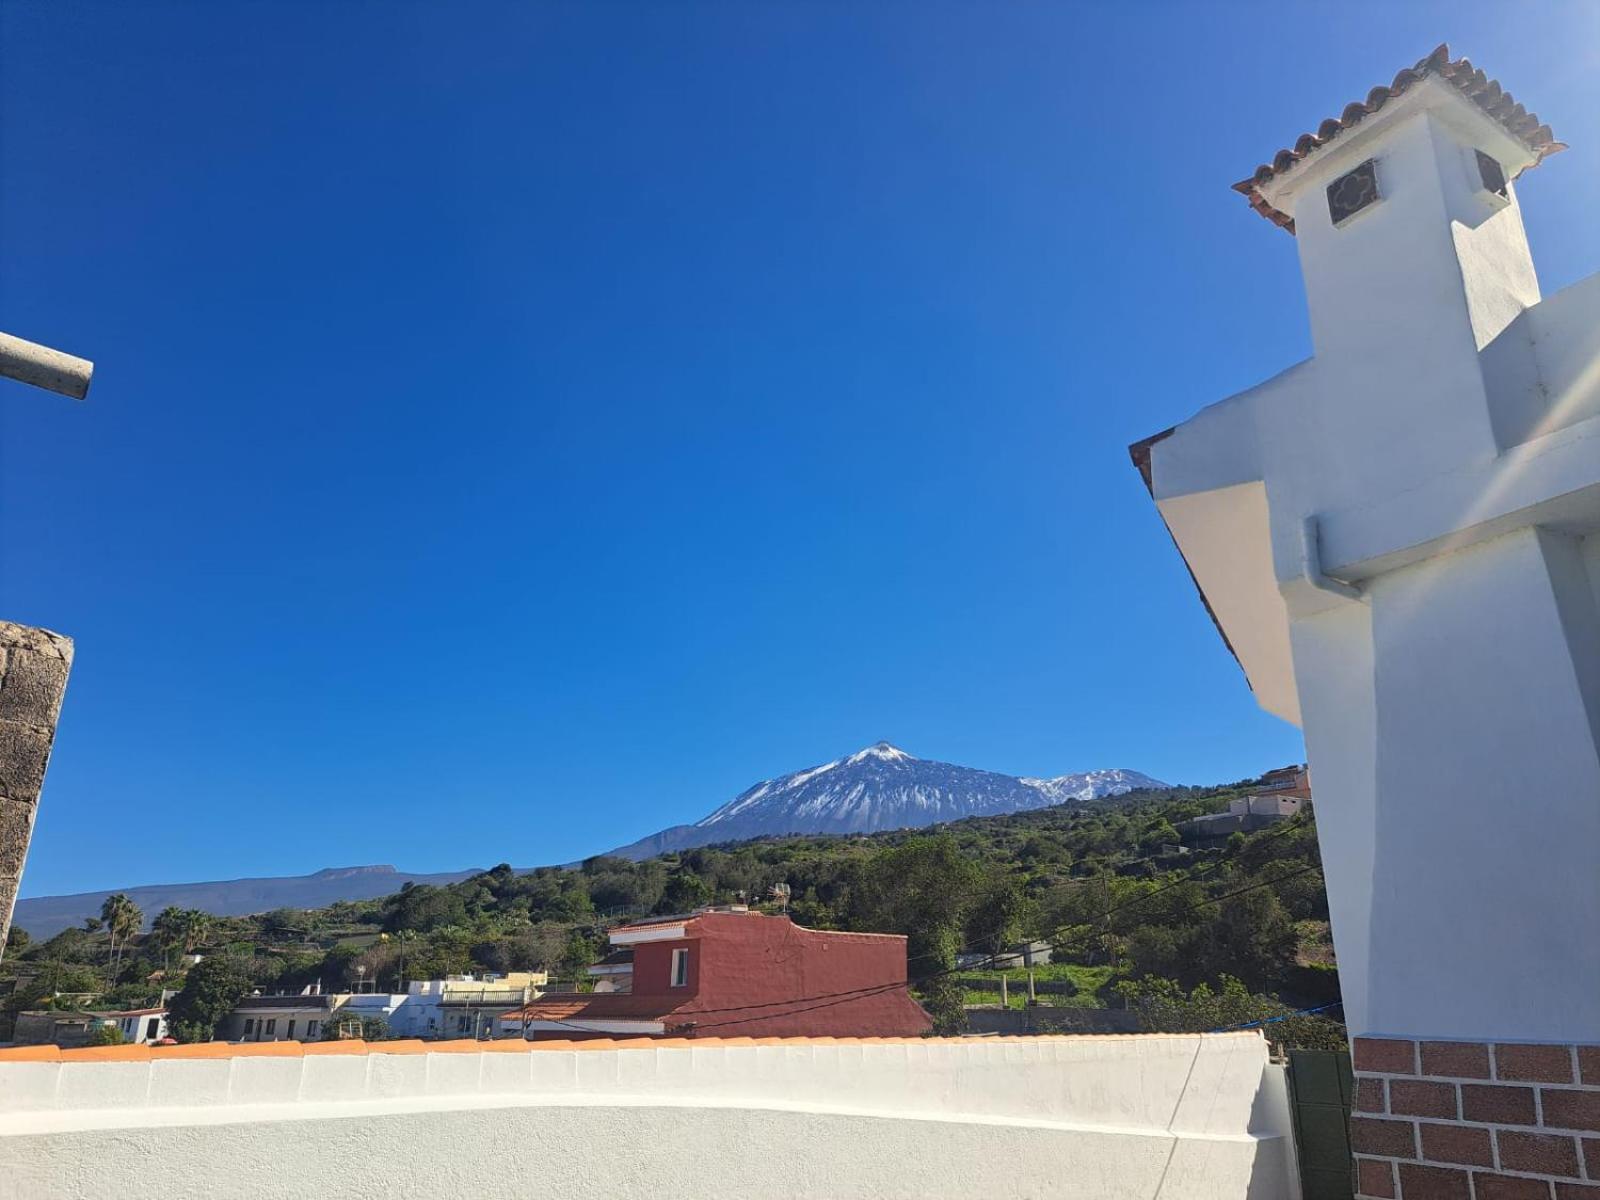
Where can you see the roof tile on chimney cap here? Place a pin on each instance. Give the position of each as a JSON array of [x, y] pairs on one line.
[[1471, 82]]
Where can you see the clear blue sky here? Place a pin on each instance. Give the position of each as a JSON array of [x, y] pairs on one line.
[[519, 428]]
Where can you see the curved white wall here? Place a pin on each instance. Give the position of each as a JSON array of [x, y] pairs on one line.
[[1198, 1116]]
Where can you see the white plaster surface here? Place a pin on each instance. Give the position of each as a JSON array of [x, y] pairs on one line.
[[1103, 1118], [1432, 516]]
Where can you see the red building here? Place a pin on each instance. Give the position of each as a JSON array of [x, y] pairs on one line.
[[736, 973]]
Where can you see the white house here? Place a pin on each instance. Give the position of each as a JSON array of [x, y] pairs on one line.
[[142, 1026]]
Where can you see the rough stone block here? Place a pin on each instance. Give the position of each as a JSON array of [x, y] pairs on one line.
[[24, 752], [16, 828], [31, 687]]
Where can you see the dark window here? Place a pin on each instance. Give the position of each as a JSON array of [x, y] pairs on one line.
[[249, 1026], [272, 1025], [1492, 174], [151, 1029], [680, 968], [1351, 192], [289, 1032]]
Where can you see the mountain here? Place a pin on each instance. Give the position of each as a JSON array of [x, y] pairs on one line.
[[45, 916], [881, 787]]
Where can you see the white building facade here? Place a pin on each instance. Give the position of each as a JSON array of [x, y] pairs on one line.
[[1397, 538]]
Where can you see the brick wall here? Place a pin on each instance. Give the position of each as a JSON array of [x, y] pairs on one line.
[[33, 677], [1476, 1121]]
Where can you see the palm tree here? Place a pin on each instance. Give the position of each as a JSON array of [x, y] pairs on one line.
[[193, 925], [167, 929], [123, 919]]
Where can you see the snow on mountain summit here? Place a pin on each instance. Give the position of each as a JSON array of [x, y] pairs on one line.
[[883, 787]]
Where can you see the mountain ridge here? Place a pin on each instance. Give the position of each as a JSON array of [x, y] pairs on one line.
[[878, 788]]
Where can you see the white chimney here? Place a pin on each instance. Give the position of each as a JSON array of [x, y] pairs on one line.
[[1413, 254]]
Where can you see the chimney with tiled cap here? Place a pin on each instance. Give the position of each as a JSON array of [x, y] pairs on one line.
[[1411, 242], [1399, 539]]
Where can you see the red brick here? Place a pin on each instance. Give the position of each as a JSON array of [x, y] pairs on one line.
[[1466, 1144], [1460, 1060], [1498, 1104], [1591, 1156], [1510, 1187], [1391, 1139], [1369, 1096], [1542, 1153], [1375, 1177], [1577, 1191], [1533, 1064], [1422, 1098], [1589, 1064], [1387, 1056], [1434, 1183], [1570, 1108]]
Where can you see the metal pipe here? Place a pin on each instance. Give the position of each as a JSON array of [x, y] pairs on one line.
[[29, 362]]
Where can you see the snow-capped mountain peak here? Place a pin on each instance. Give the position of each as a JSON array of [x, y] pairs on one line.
[[881, 750], [882, 787]]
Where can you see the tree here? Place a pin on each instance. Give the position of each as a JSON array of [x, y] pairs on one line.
[[122, 919], [212, 989], [685, 891], [106, 1035], [17, 939], [996, 918]]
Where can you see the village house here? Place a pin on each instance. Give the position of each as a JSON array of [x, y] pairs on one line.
[[278, 1018], [740, 973], [1281, 795]]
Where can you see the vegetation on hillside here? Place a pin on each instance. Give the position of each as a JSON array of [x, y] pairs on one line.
[[1190, 938]]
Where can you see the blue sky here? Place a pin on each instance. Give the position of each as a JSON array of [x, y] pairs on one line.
[[518, 428]]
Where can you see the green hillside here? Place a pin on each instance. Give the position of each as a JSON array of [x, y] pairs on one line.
[[1192, 938]]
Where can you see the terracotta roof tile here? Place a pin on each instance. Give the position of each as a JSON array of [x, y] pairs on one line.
[[1471, 82]]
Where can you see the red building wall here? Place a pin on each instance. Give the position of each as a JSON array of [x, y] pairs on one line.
[[806, 982]]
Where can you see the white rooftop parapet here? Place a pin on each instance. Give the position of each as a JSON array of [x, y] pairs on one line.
[[1099, 1118]]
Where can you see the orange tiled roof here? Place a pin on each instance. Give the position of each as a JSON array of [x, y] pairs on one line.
[[1471, 82], [136, 1053]]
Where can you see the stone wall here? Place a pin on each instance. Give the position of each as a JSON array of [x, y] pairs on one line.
[[1183, 1117], [33, 678], [1498, 1121]]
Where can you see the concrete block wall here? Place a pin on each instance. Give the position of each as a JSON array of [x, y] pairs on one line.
[[1103, 1117], [33, 678]]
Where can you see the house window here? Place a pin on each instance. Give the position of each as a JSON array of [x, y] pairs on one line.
[[151, 1030], [1353, 191], [249, 1026], [680, 968], [313, 1028], [1492, 174], [272, 1027], [289, 1032]]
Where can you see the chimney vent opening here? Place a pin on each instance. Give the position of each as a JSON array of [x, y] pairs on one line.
[[1353, 191], [1492, 174]]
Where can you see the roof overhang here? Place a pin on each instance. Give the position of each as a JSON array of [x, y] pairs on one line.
[[629, 936]]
